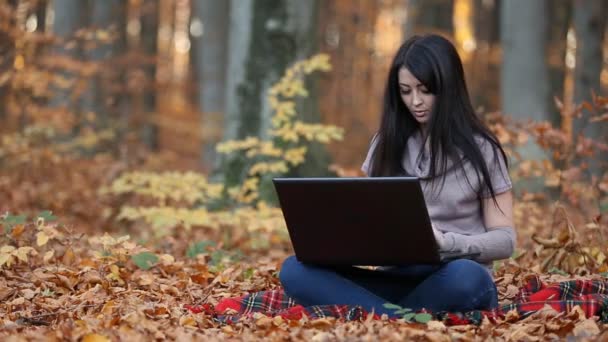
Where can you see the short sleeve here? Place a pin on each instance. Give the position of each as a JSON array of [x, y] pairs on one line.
[[370, 152], [499, 174]]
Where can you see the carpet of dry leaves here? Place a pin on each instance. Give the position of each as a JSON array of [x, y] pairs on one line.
[[67, 280]]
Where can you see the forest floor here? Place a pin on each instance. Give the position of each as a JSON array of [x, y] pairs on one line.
[[78, 276], [74, 286]]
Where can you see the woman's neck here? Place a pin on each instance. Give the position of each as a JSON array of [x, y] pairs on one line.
[[424, 131]]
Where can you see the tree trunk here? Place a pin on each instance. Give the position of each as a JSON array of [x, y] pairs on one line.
[[524, 74], [589, 25], [425, 16], [484, 71], [304, 21], [149, 38], [560, 14], [266, 36], [7, 50], [41, 15], [209, 58], [105, 15], [68, 19]]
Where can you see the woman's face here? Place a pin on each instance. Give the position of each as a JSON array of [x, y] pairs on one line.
[[415, 96]]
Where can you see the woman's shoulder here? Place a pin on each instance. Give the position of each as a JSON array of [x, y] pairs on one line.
[[488, 146], [483, 141]]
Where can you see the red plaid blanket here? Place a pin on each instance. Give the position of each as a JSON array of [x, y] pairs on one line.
[[590, 295]]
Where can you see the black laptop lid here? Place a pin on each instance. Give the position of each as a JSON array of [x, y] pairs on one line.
[[357, 221]]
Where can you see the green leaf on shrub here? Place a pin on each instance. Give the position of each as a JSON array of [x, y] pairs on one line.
[[14, 219], [403, 311], [392, 306], [9, 221], [408, 317], [145, 260], [423, 317], [47, 215], [217, 257], [199, 248], [248, 273]]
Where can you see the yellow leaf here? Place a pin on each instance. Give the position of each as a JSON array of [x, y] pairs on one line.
[[7, 249], [41, 239], [115, 270], [167, 259], [22, 252], [4, 258], [48, 255], [108, 307], [187, 321], [95, 338]]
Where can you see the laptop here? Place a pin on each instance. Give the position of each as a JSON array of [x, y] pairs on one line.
[[375, 221]]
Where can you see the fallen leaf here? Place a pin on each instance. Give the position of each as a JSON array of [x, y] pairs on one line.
[[108, 307], [6, 292], [586, 328], [146, 279], [95, 338], [69, 257], [17, 231], [41, 239], [264, 322], [22, 252], [187, 321], [512, 316], [48, 255], [28, 294], [322, 323], [17, 301], [436, 326]]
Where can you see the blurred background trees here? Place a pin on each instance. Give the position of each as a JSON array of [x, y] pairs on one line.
[[180, 76]]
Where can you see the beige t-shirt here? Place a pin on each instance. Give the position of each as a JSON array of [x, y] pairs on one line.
[[455, 206]]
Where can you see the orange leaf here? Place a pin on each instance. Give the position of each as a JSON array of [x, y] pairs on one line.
[[588, 106], [95, 338], [17, 231], [68, 257]]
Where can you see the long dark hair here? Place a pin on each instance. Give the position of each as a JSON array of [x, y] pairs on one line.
[[453, 124]]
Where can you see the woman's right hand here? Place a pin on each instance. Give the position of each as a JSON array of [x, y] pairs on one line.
[[439, 237]]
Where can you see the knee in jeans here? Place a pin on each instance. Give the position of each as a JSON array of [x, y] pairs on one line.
[[290, 272], [468, 279]]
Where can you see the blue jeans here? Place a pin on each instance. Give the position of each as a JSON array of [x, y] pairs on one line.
[[460, 285]]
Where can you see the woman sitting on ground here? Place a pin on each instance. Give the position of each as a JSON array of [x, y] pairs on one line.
[[428, 129]]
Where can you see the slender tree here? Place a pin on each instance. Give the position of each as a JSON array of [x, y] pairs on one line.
[[265, 37], [7, 48], [590, 17], [484, 70], [589, 25], [429, 16], [209, 36], [105, 16], [149, 46], [67, 19], [524, 73], [560, 17]]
